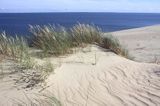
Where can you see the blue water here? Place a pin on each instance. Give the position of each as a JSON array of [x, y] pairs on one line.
[[17, 23]]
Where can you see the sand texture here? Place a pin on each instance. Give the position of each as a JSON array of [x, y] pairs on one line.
[[143, 43], [111, 81]]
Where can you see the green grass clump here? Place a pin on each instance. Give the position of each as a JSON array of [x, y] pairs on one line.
[[16, 48], [45, 69], [50, 39], [59, 41], [85, 34], [112, 43]]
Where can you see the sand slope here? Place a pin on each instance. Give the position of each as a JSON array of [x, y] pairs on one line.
[[92, 77], [143, 43], [112, 81]]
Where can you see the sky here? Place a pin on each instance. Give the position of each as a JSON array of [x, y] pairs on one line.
[[138, 6]]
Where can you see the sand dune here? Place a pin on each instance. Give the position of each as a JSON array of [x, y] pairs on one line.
[[96, 77], [143, 43], [112, 81]]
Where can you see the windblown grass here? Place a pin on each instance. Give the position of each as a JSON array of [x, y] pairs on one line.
[[16, 48], [59, 41], [85, 34], [112, 43], [50, 39]]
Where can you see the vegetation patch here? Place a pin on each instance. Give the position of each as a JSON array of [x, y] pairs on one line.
[[59, 41], [112, 43], [52, 40]]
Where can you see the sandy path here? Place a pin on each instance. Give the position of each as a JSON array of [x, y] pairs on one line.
[[143, 43]]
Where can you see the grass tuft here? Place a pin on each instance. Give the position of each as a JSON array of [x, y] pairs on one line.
[[16, 48], [85, 34], [50, 39], [112, 43]]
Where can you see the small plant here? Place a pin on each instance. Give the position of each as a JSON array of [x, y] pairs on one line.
[[44, 69], [112, 43], [26, 62], [48, 67]]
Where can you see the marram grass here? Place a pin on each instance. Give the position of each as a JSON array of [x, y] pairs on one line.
[[112, 43], [59, 41], [85, 33], [16, 48], [50, 39]]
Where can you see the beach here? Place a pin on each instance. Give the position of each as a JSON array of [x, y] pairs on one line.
[[94, 76]]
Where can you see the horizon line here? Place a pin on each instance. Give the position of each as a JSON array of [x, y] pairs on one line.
[[82, 12]]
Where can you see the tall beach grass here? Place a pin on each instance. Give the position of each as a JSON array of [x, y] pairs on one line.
[[51, 39], [85, 34], [112, 43], [58, 41], [16, 48]]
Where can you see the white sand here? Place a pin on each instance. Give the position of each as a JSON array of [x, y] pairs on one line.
[[112, 81], [143, 43], [94, 77]]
